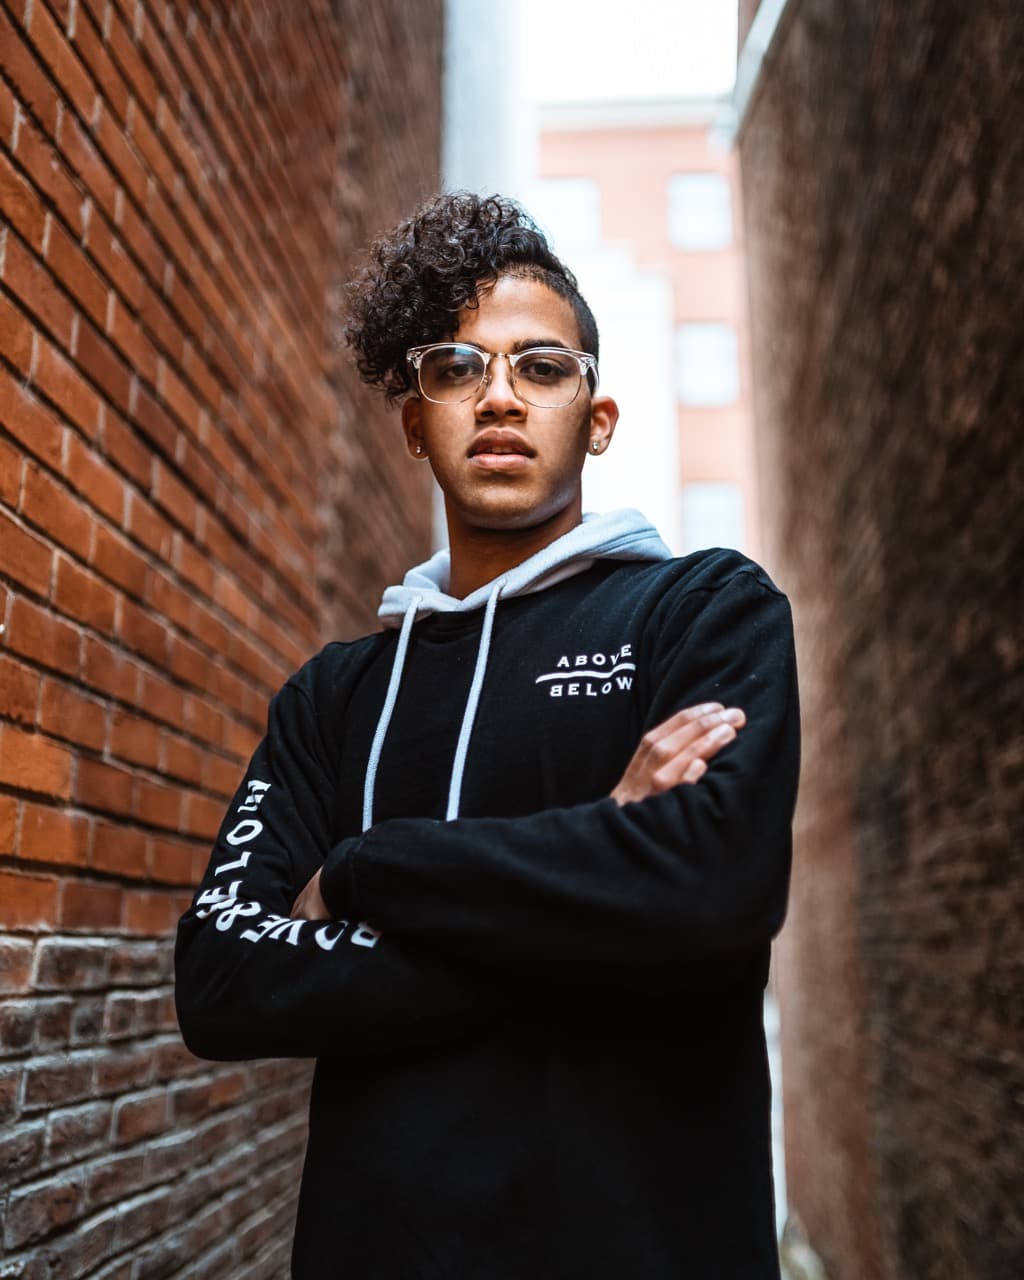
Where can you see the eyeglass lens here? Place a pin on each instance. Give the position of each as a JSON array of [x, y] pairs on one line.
[[544, 377]]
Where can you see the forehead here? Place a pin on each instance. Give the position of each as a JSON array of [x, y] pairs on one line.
[[518, 310]]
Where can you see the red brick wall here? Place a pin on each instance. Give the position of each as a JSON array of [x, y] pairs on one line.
[[882, 161], [194, 494]]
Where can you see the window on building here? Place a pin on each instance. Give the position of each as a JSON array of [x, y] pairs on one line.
[[568, 208], [712, 516], [707, 364], [699, 211]]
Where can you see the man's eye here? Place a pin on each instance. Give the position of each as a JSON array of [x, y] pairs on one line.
[[544, 368], [459, 371]]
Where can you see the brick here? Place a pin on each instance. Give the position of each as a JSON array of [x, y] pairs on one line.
[[10, 1087], [24, 557], [30, 902], [86, 1020], [65, 712], [119, 850], [30, 82], [20, 1151], [84, 597], [135, 739], [54, 1022], [70, 966], [40, 635], [111, 257], [75, 1132], [96, 480], [107, 670], [182, 759], [144, 634], [21, 205], [41, 1208], [76, 1252], [133, 344], [10, 474], [53, 509], [33, 762], [115, 1178], [89, 42], [157, 805], [174, 498], [141, 963], [49, 174], [136, 1119], [51, 1081], [90, 906], [28, 279], [125, 450], [70, 265], [53, 835], [118, 561], [97, 358], [60, 381], [19, 691], [146, 525], [122, 156], [162, 700], [104, 786], [203, 816], [52, 46], [17, 1028], [15, 964], [29, 421], [124, 1068], [125, 50], [152, 914]]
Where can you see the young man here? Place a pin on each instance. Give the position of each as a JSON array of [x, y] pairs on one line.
[[510, 868]]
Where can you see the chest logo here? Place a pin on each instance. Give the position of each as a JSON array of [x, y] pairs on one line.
[[589, 675]]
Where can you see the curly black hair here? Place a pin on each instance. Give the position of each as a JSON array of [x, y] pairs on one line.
[[420, 275]]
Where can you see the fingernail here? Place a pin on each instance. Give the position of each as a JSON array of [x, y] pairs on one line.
[[724, 733], [733, 716]]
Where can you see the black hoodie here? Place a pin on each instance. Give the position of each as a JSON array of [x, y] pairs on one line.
[[538, 1023]]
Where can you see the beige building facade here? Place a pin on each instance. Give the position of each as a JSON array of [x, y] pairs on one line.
[[655, 185]]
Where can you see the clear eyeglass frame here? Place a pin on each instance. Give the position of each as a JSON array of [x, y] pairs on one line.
[[586, 363]]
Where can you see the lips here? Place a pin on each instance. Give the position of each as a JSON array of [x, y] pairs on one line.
[[498, 443]]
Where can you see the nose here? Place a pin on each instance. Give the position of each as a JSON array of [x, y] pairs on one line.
[[498, 397]]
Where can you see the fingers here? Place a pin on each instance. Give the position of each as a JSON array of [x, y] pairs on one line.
[[684, 754]]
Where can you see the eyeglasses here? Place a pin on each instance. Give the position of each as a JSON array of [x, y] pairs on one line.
[[546, 377]]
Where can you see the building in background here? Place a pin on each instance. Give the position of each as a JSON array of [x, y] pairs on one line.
[[643, 199]]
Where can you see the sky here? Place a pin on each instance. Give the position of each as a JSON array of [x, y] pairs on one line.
[[581, 50]]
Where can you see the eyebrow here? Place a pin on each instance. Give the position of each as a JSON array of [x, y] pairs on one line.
[[526, 343]]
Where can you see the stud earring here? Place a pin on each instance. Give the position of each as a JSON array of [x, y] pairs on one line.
[[419, 450], [595, 446]]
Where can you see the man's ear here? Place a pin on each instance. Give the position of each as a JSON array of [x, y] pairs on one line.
[[604, 414], [412, 425]]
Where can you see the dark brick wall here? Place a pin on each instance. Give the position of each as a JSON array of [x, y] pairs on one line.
[[882, 166], [194, 494]]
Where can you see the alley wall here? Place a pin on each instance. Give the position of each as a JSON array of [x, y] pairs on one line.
[[195, 494], [882, 163]]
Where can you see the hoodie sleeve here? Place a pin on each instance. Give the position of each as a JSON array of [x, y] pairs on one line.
[[251, 982], [679, 888]]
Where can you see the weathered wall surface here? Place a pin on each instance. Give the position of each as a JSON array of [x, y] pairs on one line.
[[883, 173], [194, 495]]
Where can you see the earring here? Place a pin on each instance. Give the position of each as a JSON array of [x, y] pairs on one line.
[[595, 446], [419, 450]]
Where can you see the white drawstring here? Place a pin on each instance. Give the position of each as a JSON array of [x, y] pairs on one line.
[[385, 714], [469, 715]]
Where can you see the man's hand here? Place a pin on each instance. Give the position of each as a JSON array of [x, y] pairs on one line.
[[309, 905], [677, 750]]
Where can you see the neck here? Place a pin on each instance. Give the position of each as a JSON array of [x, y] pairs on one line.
[[479, 556]]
